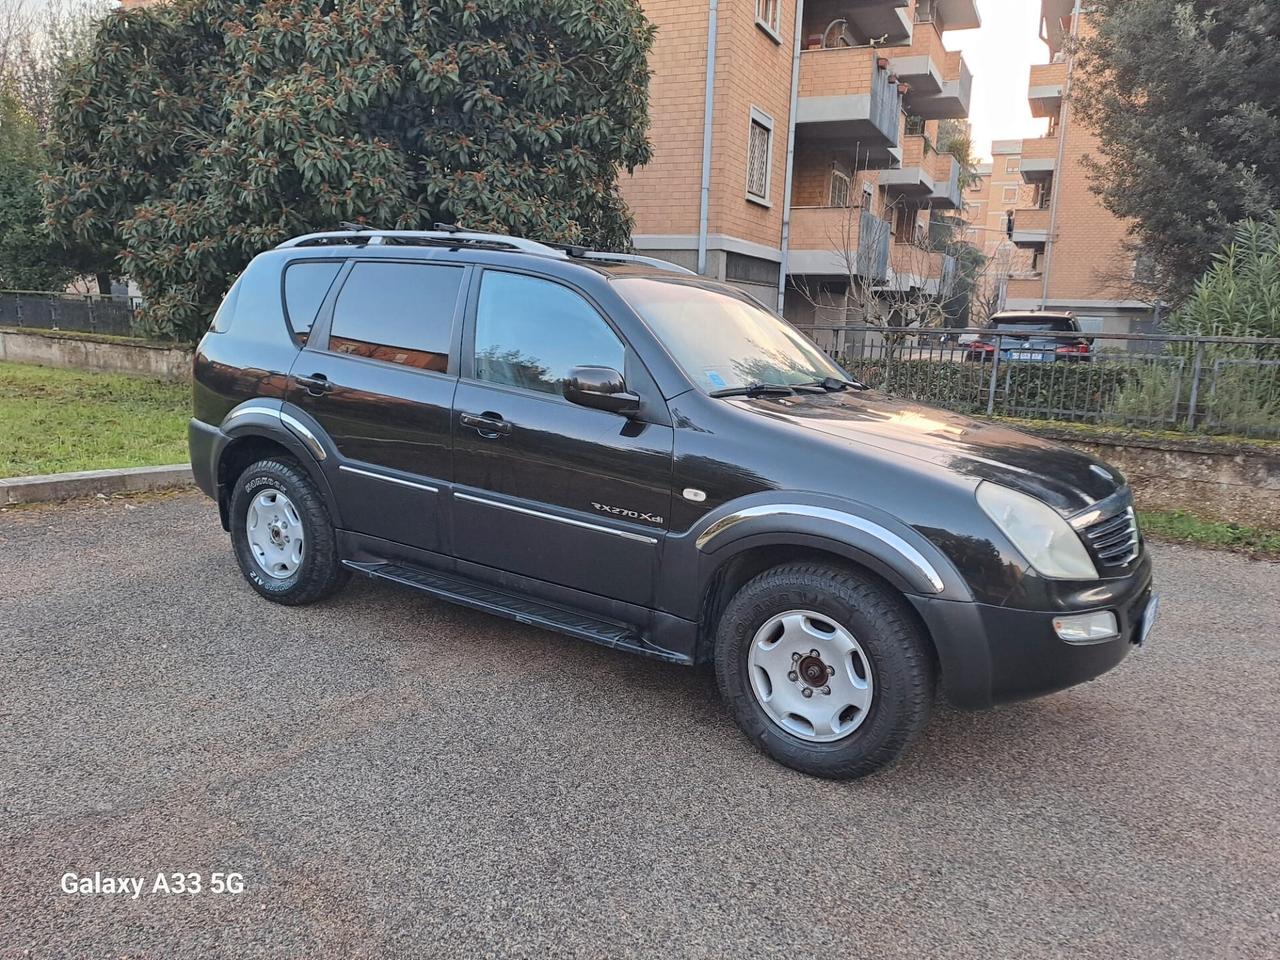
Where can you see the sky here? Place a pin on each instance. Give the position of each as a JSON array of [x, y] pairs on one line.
[[1000, 54]]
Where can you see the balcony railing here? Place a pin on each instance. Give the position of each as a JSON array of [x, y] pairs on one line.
[[846, 95], [1031, 226], [832, 241], [1044, 92], [1039, 158]]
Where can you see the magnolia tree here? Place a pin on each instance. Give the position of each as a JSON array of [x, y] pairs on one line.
[[195, 134]]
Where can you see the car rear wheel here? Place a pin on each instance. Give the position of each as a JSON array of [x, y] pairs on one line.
[[282, 534], [825, 669]]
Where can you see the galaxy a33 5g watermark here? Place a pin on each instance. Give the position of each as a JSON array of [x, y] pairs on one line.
[[162, 883]]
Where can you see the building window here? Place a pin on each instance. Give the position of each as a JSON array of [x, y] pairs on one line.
[[759, 157], [1012, 164], [1010, 194], [915, 125], [904, 224], [1144, 268], [768, 16], [841, 189]]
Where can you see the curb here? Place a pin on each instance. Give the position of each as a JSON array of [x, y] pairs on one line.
[[90, 483]]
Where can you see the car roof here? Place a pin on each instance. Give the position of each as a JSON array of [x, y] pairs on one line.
[[1031, 316]]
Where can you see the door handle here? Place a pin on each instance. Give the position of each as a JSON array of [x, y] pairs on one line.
[[490, 425], [317, 384]]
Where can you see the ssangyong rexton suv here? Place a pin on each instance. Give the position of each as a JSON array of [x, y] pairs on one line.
[[639, 457]]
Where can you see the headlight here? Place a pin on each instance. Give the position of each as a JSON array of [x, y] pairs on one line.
[[1039, 533]]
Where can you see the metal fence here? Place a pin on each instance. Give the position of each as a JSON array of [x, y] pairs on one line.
[[86, 313], [1226, 385]]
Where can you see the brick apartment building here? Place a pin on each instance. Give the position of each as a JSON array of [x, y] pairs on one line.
[[800, 169], [1072, 251]]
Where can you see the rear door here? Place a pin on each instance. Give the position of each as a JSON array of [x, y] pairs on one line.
[[378, 373]]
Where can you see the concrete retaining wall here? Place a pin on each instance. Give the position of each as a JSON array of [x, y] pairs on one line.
[[86, 351], [1216, 480]]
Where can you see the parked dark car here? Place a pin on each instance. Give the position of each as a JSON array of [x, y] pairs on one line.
[[1037, 336], [626, 453]]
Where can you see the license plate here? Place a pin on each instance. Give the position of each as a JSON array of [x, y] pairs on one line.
[[1025, 355], [1149, 618]]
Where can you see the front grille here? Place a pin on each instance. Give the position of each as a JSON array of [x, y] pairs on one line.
[[1114, 540]]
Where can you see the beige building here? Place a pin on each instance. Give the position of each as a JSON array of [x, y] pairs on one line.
[[795, 145], [1074, 251]]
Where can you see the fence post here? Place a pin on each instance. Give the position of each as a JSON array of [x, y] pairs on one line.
[[93, 325], [995, 370], [1197, 366]]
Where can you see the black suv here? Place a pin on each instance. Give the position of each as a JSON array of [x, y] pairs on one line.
[[1037, 336], [622, 451]]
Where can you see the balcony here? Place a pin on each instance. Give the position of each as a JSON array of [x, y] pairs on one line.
[[1039, 159], [925, 176], [1021, 291], [857, 21], [914, 269], [957, 14], [1031, 227], [845, 96], [829, 241], [1044, 92], [941, 83]]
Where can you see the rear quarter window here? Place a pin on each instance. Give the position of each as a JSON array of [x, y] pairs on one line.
[[226, 310], [306, 284]]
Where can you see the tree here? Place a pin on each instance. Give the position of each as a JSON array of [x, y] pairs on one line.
[[34, 50], [1184, 99], [197, 133], [37, 39], [1239, 296]]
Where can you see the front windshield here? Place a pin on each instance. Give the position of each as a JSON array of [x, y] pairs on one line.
[[723, 342]]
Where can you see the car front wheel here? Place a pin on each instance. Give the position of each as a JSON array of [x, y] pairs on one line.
[[825, 669], [283, 537]]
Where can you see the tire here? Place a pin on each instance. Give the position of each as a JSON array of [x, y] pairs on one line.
[[281, 493], [894, 656]]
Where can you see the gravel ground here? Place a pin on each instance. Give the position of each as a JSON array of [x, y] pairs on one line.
[[394, 776]]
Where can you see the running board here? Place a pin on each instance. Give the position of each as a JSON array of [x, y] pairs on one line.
[[535, 613]]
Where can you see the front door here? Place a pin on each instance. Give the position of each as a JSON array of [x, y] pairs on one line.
[[546, 488], [378, 373]]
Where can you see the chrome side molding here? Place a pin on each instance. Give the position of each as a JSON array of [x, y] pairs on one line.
[[624, 534], [849, 520], [343, 468]]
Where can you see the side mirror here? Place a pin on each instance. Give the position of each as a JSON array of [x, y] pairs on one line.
[[601, 388]]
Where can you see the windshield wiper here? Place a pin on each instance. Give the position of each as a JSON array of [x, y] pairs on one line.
[[833, 384], [755, 390]]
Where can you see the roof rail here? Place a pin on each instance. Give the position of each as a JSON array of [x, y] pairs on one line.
[[449, 235], [445, 237], [635, 258]]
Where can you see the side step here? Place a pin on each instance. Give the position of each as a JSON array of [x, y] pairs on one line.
[[522, 609]]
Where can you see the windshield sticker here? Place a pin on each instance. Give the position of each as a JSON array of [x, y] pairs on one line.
[[715, 379]]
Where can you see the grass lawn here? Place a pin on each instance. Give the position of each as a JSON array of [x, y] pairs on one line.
[[1182, 527], [55, 421]]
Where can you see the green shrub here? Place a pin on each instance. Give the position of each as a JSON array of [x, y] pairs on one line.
[[1073, 391]]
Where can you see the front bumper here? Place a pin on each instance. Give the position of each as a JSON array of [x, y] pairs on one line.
[[992, 655]]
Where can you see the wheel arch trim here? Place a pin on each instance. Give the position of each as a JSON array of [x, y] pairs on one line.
[[894, 549]]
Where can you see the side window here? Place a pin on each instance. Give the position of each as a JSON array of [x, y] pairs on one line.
[[305, 285], [398, 313], [227, 310], [530, 332]]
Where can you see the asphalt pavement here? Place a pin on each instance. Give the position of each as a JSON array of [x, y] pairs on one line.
[[392, 776]]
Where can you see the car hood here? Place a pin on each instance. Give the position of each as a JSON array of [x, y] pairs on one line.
[[1061, 476]]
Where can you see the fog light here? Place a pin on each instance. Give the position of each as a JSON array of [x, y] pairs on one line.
[[1087, 627]]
